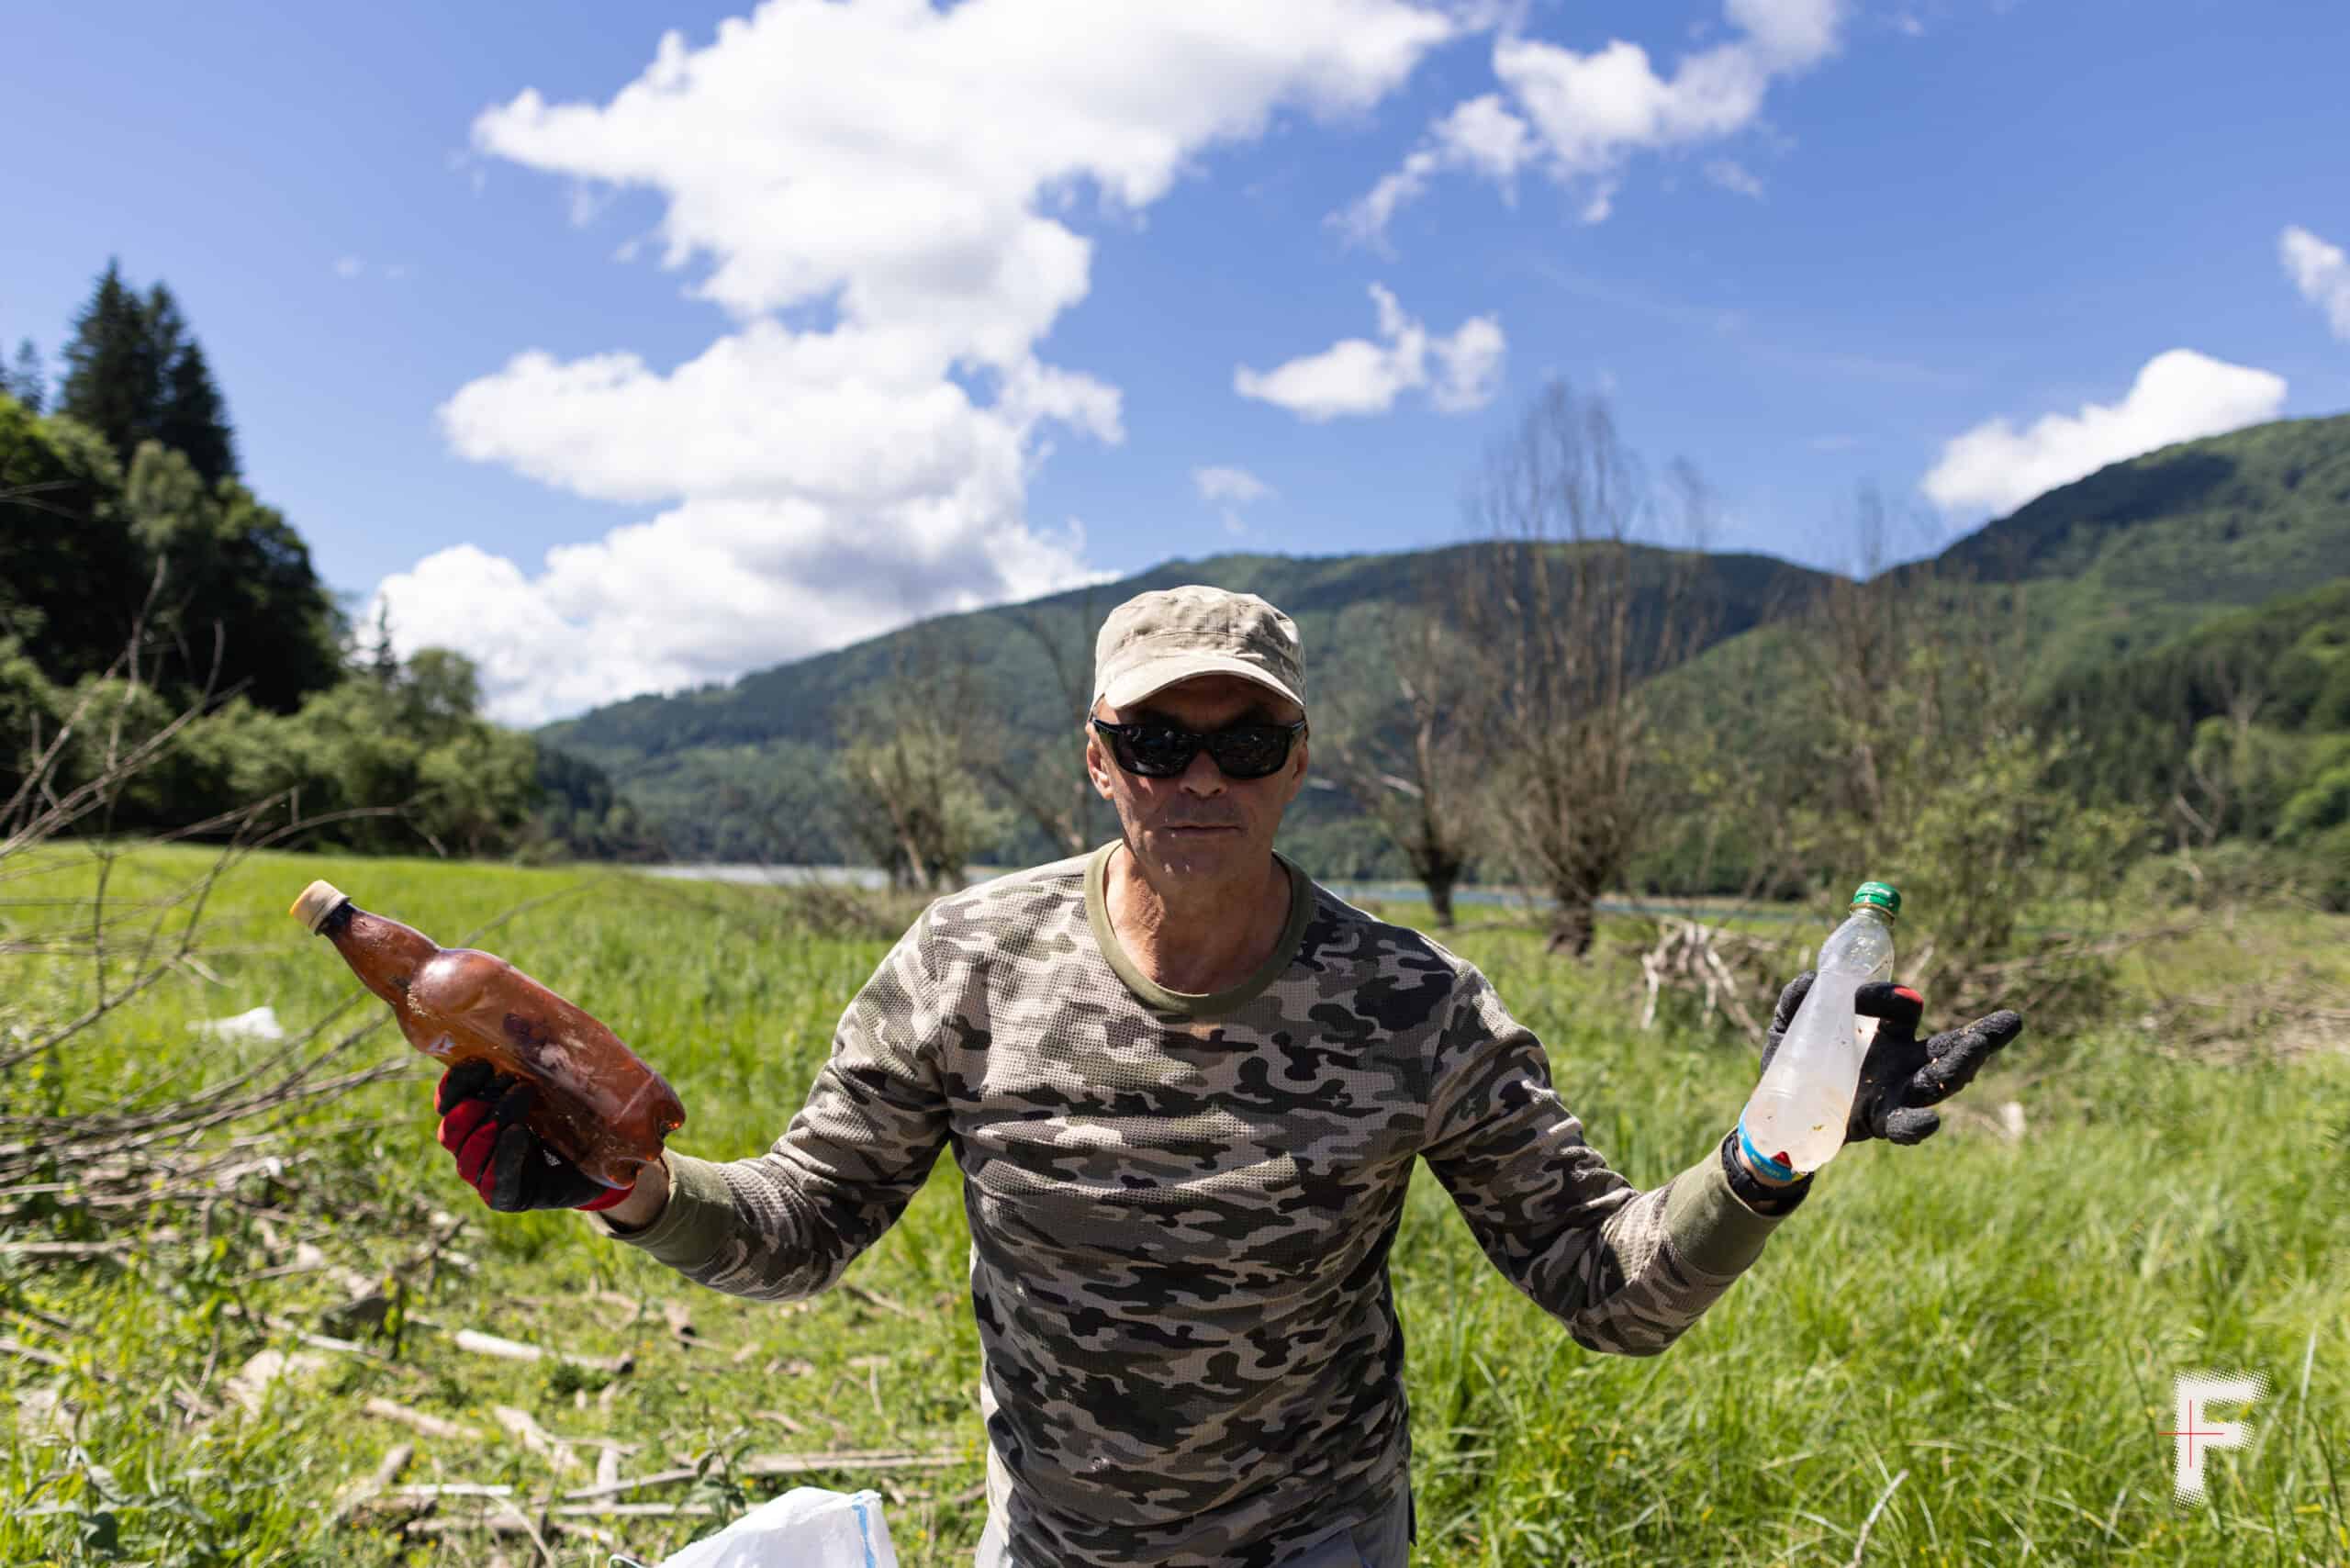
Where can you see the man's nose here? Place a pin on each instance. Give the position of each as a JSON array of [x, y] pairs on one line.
[[1203, 777]]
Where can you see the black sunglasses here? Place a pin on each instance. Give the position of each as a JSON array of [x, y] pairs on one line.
[[1162, 751]]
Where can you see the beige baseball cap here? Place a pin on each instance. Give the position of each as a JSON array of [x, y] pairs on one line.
[[1156, 639]]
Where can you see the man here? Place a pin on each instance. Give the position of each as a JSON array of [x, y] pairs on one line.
[[1186, 1087]]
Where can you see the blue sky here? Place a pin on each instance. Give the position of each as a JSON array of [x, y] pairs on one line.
[[793, 328]]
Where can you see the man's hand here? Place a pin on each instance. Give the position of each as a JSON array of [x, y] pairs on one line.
[[1903, 1074], [510, 1166]]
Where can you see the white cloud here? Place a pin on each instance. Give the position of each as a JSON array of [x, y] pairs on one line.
[[2178, 396], [1732, 175], [1585, 114], [1480, 135], [1469, 365], [1232, 487], [878, 193], [349, 266], [1355, 377], [2321, 271]]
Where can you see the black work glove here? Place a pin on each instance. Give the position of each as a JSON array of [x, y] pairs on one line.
[[1903, 1074], [510, 1166]]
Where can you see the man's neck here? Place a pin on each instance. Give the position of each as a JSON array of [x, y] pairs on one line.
[[1195, 939]]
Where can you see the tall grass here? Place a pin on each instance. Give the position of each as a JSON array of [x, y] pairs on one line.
[[1974, 1341]]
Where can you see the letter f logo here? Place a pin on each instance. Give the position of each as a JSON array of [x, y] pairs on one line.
[[2197, 1432]]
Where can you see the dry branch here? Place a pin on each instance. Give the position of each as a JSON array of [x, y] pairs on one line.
[[429, 1425]]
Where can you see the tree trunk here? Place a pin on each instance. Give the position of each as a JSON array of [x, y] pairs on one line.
[[1439, 887], [1573, 925]]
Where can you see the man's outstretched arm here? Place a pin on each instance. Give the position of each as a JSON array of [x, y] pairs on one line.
[[786, 1223], [1627, 1272]]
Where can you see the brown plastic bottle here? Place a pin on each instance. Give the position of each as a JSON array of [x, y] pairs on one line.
[[600, 1105]]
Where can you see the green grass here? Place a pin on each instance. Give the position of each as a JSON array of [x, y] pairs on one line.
[[1995, 1322]]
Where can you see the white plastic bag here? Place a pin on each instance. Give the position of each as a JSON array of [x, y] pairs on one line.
[[806, 1528]]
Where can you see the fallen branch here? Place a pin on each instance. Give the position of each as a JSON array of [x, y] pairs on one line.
[[387, 1471], [485, 1344], [429, 1425], [875, 1298], [524, 1429]]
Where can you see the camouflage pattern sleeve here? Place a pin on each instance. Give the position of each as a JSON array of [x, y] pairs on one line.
[[1625, 1271], [787, 1223]]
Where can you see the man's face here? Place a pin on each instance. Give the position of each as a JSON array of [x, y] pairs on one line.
[[1200, 824]]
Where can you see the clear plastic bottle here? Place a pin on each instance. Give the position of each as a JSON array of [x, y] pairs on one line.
[[1798, 1112]]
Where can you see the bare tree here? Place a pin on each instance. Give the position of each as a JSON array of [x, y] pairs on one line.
[[1049, 785], [906, 752], [1568, 611], [1400, 746]]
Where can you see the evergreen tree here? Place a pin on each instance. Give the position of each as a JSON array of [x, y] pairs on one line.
[[135, 373], [382, 663], [28, 383], [194, 419], [112, 379]]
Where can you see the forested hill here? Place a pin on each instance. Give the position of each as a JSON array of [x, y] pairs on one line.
[[1008, 651], [2142, 552], [2118, 567]]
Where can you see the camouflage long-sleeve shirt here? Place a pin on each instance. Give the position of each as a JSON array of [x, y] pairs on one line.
[[1180, 1206]]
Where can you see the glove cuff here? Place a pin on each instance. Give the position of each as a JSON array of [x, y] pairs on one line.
[[607, 1199], [1754, 1192]]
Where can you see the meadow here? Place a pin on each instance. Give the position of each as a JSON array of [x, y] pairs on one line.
[[1958, 1354]]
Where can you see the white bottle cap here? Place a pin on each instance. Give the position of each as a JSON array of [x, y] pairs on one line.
[[319, 900]]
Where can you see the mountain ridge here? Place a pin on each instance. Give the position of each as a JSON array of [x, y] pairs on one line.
[[2120, 563]]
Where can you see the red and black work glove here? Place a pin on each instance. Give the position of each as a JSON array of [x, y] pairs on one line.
[[1903, 1075], [510, 1166]]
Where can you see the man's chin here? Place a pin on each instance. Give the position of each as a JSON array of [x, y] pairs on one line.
[[1197, 849]]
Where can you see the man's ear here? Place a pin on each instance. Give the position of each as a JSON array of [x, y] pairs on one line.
[[1097, 762]]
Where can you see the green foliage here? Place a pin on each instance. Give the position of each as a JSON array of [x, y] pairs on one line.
[[237, 585], [28, 380], [72, 576], [2144, 551], [907, 795], [216, 588], [757, 738], [134, 373]]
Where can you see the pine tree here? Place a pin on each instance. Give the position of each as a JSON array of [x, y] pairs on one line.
[[383, 664], [28, 383], [135, 373], [193, 418], [113, 381]]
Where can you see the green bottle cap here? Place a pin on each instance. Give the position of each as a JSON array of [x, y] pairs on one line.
[[1878, 895]]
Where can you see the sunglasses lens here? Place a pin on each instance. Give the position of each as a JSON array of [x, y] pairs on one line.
[[1249, 750], [1157, 752]]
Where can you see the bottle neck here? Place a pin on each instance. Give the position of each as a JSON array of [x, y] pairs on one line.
[[384, 954]]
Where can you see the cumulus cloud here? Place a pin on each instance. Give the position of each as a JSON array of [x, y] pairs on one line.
[[879, 194], [1357, 376], [2178, 396], [2321, 271], [1231, 486], [1580, 116]]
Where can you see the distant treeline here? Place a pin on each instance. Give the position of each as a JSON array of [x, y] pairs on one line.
[[142, 583]]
